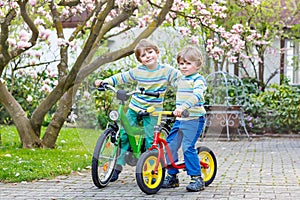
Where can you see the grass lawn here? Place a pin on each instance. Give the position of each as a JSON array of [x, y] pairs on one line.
[[73, 152]]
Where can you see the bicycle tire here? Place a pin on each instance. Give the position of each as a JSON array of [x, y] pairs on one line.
[[147, 181], [207, 155], [104, 158]]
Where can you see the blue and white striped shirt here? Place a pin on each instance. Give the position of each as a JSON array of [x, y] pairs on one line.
[[156, 80], [190, 95]]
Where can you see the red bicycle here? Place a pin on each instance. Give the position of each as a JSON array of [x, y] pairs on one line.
[[151, 166]]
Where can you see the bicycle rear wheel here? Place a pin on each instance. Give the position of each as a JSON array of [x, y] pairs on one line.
[[208, 163], [104, 159]]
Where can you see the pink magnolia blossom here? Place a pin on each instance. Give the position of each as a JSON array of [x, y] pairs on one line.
[[251, 2], [237, 28], [32, 62], [90, 6], [47, 81], [14, 5], [198, 4], [86, 95], [113, 13], [38, 55], [21, 72], [184, 31], [11, 42], [44, 33], [46, 88], [73, 45], [55, 83], [32, 2], [41, 11], [22, 44], [204, 12], [33, 74], [24, 35], [195, 39], [29, 98], [65, 12], [232, 59], [73, 116], [62, 42], [39, 21], [217, 10]]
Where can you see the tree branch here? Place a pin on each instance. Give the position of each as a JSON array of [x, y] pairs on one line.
[[5, 56], [34, 30]]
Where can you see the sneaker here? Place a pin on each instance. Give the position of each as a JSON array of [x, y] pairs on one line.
[[116, 173], [196, 184], [171, 181]]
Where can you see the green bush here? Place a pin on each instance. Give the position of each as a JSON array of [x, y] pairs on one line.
[[29, 88], [276, 110]]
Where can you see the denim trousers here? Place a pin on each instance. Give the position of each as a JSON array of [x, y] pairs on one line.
[[185, 133], [148, 123]]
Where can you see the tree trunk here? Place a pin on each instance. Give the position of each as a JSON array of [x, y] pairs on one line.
[[58, 119], [28, 135], [261, 66], [282, 58]]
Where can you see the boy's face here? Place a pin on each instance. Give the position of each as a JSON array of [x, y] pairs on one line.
[[148, 58], [187, 68]]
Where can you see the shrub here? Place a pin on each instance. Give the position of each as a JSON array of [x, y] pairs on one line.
[[29, 88], [277, 110]]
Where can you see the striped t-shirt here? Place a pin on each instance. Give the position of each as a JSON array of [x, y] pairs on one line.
[[190, 95], [156, 80]]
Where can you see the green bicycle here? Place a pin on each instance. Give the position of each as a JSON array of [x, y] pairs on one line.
[[107, 148]]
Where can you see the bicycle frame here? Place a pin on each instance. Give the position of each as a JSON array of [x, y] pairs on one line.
[[122, 120], [131, 131], [159, 144], [107, 148]]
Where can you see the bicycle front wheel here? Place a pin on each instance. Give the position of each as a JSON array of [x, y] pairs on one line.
[[208, 163], [148, 179], [104, 159]]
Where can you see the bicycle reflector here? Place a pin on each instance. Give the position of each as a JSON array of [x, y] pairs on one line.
[[114, 115]]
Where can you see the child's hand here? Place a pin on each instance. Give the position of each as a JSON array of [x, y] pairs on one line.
[[98, 83], [177, 112]]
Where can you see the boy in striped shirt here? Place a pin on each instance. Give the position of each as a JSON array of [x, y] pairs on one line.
[[186, 130], [152, 76]]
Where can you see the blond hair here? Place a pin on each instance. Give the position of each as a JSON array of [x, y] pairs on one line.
[[191, 54], [143, 45]]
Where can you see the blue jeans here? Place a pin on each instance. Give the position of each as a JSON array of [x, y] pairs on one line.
[[186, 133], [148, 123]]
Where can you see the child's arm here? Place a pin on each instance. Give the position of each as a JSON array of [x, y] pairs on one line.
[[173, 76], [195, 97], [117, 79]]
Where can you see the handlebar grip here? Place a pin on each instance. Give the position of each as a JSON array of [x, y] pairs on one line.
[[153, 94], [142, 114], [102, 87]]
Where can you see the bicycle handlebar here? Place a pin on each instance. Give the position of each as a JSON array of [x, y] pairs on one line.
[[124, 95], [152, 111]]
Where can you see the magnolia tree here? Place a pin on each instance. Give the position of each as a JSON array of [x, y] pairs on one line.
[[236, 33], [26, 26], [25, 30]]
